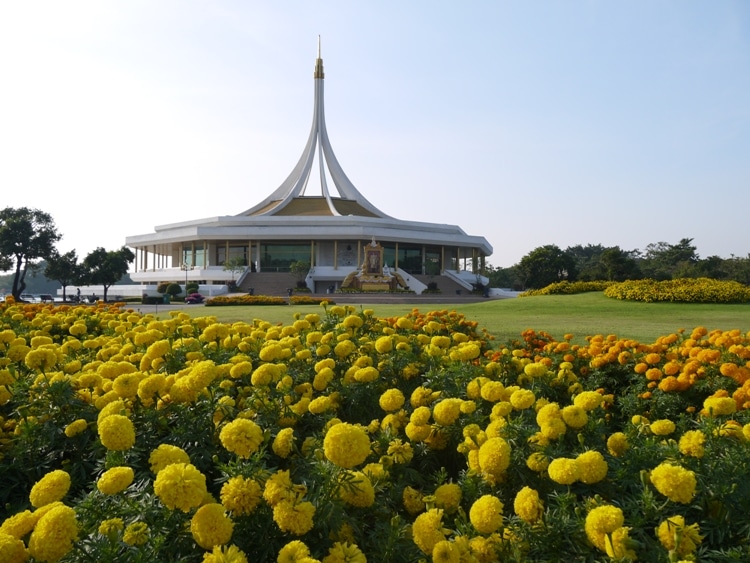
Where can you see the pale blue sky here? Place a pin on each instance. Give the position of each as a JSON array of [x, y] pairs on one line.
[[529, 123]]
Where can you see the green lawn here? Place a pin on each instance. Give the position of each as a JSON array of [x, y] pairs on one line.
[[582, 315]]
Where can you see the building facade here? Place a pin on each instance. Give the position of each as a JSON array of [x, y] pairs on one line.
[[327, 233]]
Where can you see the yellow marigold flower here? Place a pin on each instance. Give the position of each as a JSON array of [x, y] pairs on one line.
[[265, 374], [384, 344], [355, 488], [136, 534], [719, 406], [662, 427], [601, 522], [677, 536], [549, 412], [76, 427], [691, 443], [588, 400], [293, 552], [617, 444], [400, 452], [486, 514], [553, 428], [592, 466], [211, 526], [527, 505], [12, 550], [323, 378], [284, 442], [446, 552], [465, 351], [166, 454], [279, 487], [574, 416], [535, 369], [404, 323], [151, 387], [111, 527], [126, 385], [346, 445], [344, 348], [522, 399], [448, 497], [537, 461], [564, 470], [115, 480], [240, 495], [42, 359], [420, 415], [19, 524], [117, 432], [180, 485], [53, 535], [447, 411], [225, 554], [241, 437], [423, 396], [494, 457], [295, 518], [674, 482], [427, 530], [50, 488], [344, 552], [241, 369], [366, 374], [392, 400], [412, 500], [618, 544]]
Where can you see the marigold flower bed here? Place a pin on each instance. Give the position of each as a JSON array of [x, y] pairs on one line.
[[344, 437]]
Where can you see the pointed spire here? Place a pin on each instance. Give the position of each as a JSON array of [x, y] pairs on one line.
[[319, 64], [318, 144]]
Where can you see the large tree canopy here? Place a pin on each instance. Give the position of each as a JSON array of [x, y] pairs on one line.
[[106, 268], [64, 268], [26, 235], [545, 265]]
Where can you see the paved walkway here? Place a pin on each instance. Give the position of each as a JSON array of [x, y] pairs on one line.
[[340, 298]]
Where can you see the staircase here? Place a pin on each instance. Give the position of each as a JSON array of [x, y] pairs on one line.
[[445, 284], [268, 283]]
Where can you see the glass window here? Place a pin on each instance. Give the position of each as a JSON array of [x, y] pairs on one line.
[[279, 257]]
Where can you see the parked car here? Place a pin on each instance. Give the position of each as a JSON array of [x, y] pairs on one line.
[[46, 298], [194, 298], [29, 298]]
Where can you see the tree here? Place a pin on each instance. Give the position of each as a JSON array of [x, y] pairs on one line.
[[26, 235], [64, 268], [106, 268], [545, 265], [235, 265], [663, 261], [619, 265]]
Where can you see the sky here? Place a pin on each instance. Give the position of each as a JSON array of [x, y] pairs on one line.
[[528, 123]]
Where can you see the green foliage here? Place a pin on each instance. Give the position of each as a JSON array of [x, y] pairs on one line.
[[26, 236], [545, 265], [174, 289], [162, 287], [106, 268]]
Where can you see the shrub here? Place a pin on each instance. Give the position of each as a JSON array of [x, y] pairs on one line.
[[684, 290]]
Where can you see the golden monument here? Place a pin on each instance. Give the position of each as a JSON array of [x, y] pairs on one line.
[[374, 274]]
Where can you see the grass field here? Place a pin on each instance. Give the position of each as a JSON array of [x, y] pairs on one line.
[[582, 315]]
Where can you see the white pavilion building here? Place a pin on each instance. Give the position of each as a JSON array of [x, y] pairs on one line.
[[330, 232]]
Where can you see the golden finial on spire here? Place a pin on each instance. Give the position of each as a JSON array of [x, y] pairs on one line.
[[319, 64]]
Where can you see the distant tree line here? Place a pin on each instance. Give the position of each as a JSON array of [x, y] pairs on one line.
[[27, 240], [660, 261]]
